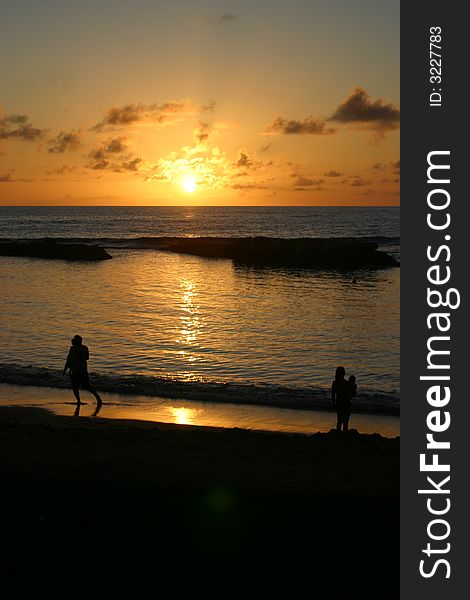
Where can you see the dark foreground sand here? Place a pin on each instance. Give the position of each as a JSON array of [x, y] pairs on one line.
[[121, 508]]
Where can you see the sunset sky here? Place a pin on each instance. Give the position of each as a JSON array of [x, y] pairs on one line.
[[145, 102]]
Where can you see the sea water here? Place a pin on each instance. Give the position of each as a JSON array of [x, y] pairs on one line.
[[191, 319]]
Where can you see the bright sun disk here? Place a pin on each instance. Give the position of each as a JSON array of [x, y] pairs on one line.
[[189, 184]]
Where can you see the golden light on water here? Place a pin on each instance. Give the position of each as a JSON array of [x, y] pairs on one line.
[[190, 324], [183, 416]]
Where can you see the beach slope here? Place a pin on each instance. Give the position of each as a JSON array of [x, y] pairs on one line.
[[245, 504]]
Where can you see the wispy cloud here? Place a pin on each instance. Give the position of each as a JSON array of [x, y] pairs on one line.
[[307, 126], [113, 155], [333, 173], [65, 141], [228, 17], [7, 178], [18, 127], [131, 114], [356, 181]]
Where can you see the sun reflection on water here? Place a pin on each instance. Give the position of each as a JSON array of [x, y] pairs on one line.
[[190, 325], [183, 416]]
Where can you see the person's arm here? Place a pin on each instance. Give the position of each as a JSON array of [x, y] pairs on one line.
[[86, 352], [333, 392], [67, 364]]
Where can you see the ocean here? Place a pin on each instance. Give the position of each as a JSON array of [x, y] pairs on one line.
[[202, 325]]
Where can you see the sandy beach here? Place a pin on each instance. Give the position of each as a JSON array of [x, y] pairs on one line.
[[133, 495]]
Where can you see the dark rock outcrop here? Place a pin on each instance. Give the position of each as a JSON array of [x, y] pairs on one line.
[[336, 253], [52, 250]]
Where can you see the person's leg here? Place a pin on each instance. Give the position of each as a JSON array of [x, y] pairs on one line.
[[92, 390], [76, 393], [338, 418], [347, 414]]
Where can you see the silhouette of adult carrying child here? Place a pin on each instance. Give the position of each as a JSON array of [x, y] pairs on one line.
[[77, 364], [341, 393]]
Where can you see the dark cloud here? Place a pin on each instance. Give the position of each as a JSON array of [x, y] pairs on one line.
[[309, 126], [128, 165], [359, 109], [245, 161], [7, 178], [356, 182], [202, 132], [378, 166], [61, 170], [17, 127], [65, 141], [333, 173], [306, 182], [153, 113], [227, 18], [209, 107], [111, 155], [249, 186]]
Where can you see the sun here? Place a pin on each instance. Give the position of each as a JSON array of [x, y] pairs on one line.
[[189, 185]]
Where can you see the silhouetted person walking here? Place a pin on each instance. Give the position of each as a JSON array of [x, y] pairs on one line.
[[77, 364], [341, 393]]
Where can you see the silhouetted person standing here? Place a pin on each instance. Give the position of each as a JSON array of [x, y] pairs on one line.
[[77, 364], [341, 393]]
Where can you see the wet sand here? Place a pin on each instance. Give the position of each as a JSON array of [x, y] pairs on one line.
[[145, 502], [192, 412]]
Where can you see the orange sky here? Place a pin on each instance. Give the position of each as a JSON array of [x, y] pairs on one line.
[[297, 105]]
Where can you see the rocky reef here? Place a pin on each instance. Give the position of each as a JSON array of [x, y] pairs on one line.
[[336, 253], [50, 249]]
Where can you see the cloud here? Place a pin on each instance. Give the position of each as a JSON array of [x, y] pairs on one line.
[[113, 155], [378, 166], [65, 141], [209, 107], [366, 192], [206, 164], [308, 126], [358, 109], [244, 160], [356, 182], [202, 132], [227, 18], [17, 127], [61, 170], [130, 114], [7, 178], [396, 167], [305, 182], [333, 173], [249, 186]]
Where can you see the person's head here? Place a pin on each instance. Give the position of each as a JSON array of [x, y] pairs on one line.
[[352, 379], [340, 373], [77, 340]]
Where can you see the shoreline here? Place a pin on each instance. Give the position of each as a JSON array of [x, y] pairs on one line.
[[276, 396], [182, 411]]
